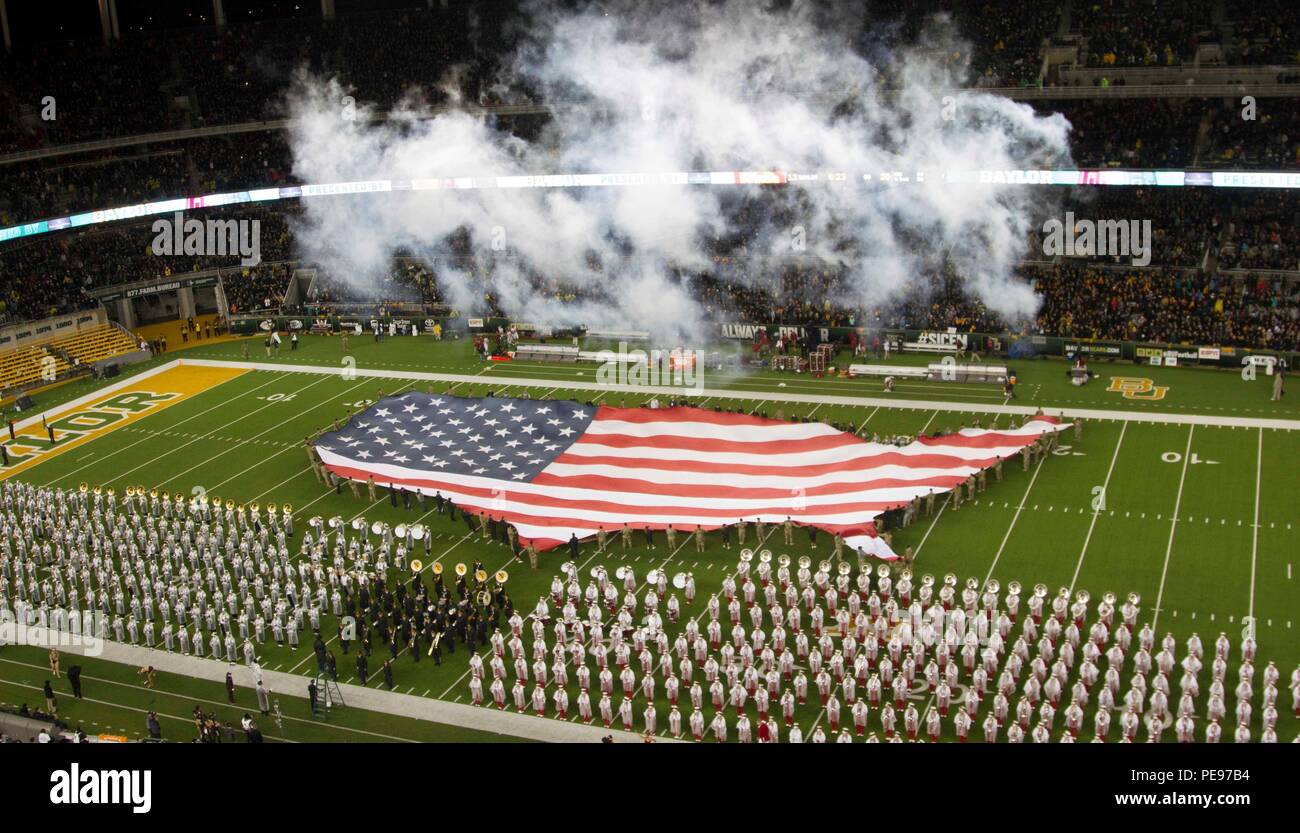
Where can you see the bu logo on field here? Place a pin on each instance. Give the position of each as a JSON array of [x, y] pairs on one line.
[[1136, 387]]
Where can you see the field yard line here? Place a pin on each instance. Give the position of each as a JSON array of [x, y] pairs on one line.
[[1096, 513], [208, 434], [281, 451], [1254, 530], [865, 421], [182, 422], [1173, 527], [917, 552], [242, 442], [927, 422], [1160, 417], [1014, 518]]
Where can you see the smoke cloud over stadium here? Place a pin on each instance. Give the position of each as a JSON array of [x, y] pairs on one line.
[[714, 86]]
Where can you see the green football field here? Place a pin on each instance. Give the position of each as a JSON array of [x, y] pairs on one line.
[[1187, 499]]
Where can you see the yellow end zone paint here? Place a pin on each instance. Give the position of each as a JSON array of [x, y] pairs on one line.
[[76, 425]]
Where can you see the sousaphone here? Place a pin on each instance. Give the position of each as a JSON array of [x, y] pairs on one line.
[[461, 569], [783, 560], [501, 577], [679, 581], [804, 562], [358, 524], [747, 555], [417, 566], [1013, 587], [418, 532]]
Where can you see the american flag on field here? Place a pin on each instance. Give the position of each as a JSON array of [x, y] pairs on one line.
[[554, 469]]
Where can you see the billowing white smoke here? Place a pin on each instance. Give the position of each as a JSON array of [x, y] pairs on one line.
[[672, 87]]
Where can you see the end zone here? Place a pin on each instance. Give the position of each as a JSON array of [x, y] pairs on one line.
[[72, 424]]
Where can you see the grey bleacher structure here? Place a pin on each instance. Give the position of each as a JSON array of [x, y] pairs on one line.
[[937, 372]]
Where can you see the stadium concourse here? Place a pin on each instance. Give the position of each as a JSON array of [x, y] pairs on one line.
[[299, 578]]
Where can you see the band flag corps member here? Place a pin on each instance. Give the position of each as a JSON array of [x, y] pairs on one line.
[[559, 469]]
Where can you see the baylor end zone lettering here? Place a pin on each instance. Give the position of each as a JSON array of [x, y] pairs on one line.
[[1137, 387], [86, 421]]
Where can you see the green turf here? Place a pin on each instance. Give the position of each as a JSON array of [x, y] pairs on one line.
[[1208, 569]]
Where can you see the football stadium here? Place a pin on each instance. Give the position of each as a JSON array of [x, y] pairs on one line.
[[712, 371]]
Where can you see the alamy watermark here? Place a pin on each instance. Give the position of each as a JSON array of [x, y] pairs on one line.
[[1088, 238], [31, 634], [679, 367], [209, 238]]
